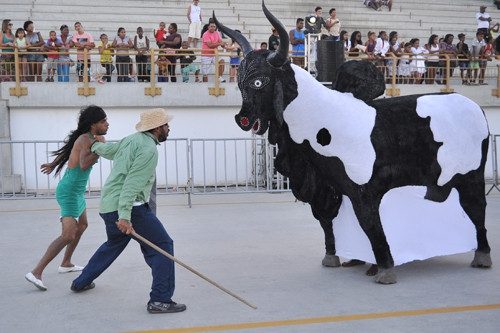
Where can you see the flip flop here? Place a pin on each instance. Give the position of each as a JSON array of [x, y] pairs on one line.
[[75, 268], [38, 283]]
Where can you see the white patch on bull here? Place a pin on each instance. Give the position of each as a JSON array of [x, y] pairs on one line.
[[349, 120], [458, 123]]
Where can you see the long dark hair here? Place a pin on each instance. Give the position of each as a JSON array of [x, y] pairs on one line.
[[88, 116]]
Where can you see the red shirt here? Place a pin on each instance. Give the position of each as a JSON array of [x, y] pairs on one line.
[[160, 34]]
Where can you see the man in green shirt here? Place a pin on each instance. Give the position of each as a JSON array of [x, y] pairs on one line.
[[124, 209]]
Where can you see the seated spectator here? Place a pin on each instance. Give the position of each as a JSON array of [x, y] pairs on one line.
[[357, 45], [187, 67], [387, 3], [374, 4]]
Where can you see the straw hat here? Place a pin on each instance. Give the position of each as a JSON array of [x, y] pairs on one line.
[[152, 118]]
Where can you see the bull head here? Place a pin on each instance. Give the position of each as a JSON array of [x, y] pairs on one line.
[[265, 79]]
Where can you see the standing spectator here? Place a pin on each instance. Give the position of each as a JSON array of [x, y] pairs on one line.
[[35, 58], [92, 124], [194, 18], [370, 45], [234, 61], [274, 40], [418, 62], [483, 21], [297, 39], [187, 65], [344, 38], [404, 66], [22, 44], [488, 51], [122, 43], [463, 59], [381, 48], [447, 47], [124, 209], [477, 49], [7, 39], [160, 33], [172, 42], [263, 46], [333, 25], [432, 47], [211, 41], [356, 44], [52, 45], [64, 57], [396, 50], [316, 23], [141, 45], [82, 40], [106, 51]]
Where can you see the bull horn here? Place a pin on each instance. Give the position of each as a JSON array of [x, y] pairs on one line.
[[234, 35], [278, 58]]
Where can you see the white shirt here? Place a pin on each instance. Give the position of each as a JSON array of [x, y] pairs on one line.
[[194, 14], [381, 47], [483, 24]]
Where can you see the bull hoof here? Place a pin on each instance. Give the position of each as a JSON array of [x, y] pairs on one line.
[[386, 276], [481, 260], [331, 260]]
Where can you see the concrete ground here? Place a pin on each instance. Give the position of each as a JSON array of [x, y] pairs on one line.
[[265, 248]]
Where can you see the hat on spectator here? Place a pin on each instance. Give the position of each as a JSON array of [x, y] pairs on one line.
[[153, 118], [483, 6]]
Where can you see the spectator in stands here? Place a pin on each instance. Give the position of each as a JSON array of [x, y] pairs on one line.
[[194, 18], [344, 38], [477, 49], [483, 21], [488, 52], [35, 58], [122, 44], [52, 46], [263, 46], [274, 40], [395, 50], [235, 59], [82, 41], [374, 4], [162, 63], [494, 28], [447, 47], [107, 52], [387, 3], [404, 66], [64, 58], [211, 41], [432, 47], [333, 25], [381, 47], [463, 57], [7, 39], [315, 23], [418, 63], [187, 65], [141, 46], [297, 39], [22, 44], [357, 46], [172, 42], [370, 45], [160, 33]]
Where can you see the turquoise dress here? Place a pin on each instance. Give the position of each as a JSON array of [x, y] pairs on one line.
[[71, 189]]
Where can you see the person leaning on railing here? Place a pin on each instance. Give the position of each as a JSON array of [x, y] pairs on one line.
[[7, 57]]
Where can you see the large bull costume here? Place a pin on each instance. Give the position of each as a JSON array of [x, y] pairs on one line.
[[345, 151]]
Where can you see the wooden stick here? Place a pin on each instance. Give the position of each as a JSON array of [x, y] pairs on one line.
[[171, 257]]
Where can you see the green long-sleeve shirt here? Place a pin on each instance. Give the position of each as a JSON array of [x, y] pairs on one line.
[[134, 162]]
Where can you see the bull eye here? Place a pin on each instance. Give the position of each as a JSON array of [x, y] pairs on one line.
[[259, 83]]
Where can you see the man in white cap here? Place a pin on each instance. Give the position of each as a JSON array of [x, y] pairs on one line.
[[124, 209]]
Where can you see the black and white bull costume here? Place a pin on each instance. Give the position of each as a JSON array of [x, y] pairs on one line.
[[345, 144]]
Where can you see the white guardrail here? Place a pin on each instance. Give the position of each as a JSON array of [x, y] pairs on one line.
[[185, 166]]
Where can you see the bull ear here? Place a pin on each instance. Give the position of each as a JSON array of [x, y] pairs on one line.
[[278, 58], [234, 35], [278, 102]]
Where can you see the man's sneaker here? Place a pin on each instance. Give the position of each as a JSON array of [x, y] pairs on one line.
[[87, 287], [165, 307], [221, 79]]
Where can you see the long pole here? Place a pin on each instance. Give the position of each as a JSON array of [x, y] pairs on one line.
[[171, 257]]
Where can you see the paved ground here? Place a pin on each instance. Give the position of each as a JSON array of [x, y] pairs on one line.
[[266, 248]]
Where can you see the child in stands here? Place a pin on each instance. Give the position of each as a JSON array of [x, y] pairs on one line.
[[160, 33], [52, 45], [22, 43]]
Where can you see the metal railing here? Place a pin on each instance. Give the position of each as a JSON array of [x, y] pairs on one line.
[[196, 166]]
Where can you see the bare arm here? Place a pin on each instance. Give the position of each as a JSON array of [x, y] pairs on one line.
[[87, 158]]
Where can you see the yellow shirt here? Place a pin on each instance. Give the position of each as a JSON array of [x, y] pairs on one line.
[[106, 55]]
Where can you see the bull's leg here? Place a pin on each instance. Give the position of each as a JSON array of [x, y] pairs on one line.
[[367, 212], [330, 259], [473, 201]]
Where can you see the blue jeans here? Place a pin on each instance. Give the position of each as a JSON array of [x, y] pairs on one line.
[[63, 71], [146, 224]]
